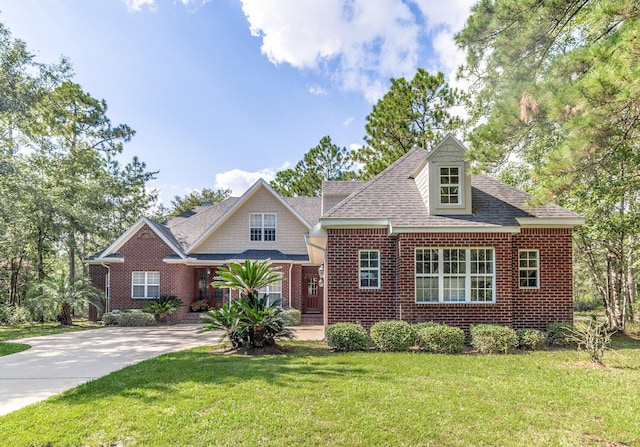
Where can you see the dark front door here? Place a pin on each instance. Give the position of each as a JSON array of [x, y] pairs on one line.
[[312, 294]]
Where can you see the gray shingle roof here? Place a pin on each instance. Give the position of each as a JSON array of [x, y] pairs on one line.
[[307, 207], [188, 227], [337, 188], [394, 195], [273, 255]]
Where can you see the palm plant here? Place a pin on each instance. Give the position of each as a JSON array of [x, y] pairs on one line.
[[163, 306], [66, 293], [251, 321]]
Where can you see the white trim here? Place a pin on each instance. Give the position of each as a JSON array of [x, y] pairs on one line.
[[232, 209], [460, 186], [101, 261], [133, 229], [146, 285], [467, 275], [550, 222], [378, 269], [460, 229], [537, 269], [263, 227], [356, 222]]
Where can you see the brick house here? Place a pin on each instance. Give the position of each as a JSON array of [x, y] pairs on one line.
[[427, 241], [423, 241], [180, 257]]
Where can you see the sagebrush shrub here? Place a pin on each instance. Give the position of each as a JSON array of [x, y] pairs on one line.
[[531, 339], [439, 338], [347, 337], [493, 339], [135, 319], [558, 334], [393, 335]]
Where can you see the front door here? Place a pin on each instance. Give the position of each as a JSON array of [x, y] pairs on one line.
[[311, 294]]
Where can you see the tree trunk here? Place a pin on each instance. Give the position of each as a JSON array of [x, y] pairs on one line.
[[66, 318]]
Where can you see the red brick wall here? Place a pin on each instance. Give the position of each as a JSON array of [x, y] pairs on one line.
[[553, 301], [145, 251], [396, 297], [346, 301]]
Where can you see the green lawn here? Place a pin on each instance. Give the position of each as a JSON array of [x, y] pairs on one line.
[[312, 397], [18, 331]]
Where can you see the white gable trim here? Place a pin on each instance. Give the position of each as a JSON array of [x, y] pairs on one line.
[[550, 222], [133, 229], [244, 198]]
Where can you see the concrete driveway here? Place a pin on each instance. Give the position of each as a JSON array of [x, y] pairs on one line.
[[56, 363]]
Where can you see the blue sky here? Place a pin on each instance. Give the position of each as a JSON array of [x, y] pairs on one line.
[[222, 92]]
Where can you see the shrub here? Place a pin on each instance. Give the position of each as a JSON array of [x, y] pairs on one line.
[[531, 339], [110, 319], [294, 316], [558, 334], [393, 335], [423, 324], [347, 337], [163, 306], [440, 338], [136, 318], [593, 336], [10, 314], [493, 339], [586, 303]]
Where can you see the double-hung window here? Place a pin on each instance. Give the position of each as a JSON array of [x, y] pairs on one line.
[[145, 284], [450, 185], [529, 269], [263, 227], [273, 292], [455, 275], [369, 269]]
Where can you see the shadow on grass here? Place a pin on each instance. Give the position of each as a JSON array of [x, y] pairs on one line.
[[148, 381]]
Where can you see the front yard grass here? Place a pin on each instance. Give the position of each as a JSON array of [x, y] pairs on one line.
[[27, 330], [312, 397]]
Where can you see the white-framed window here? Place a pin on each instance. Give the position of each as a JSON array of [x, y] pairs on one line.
[[369, 271], [449, 185], [273, 292], [529, 269], [145, 284], [262, 227], [455, 275]]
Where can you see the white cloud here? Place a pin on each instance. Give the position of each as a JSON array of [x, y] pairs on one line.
[[359, 44], [136, 5], [348, 121], [317, 90], [240, 181]]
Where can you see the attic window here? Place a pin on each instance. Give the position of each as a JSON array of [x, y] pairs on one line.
[[450, 185], [263, 227]]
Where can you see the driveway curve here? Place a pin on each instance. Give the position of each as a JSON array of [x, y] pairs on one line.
[[56, 363]]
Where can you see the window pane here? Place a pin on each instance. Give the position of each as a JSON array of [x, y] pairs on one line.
[[153, 278], [256, 220], [427, 289], [256, 234], [153, 292], [269, 220], [138, 278], [269, 234], [138, 291], [454, 288]]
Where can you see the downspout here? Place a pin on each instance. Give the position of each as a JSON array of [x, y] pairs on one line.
[[398, 257], [107, 303], [290, 269]]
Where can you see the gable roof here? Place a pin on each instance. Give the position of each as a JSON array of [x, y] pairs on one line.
[[393, 196], [260, 184]]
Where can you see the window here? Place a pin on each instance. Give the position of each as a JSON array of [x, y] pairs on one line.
[[273, 292], [529, 269], [369, 269], [145, 284], [455, 275], [312, 286], [450, 186], [263, 227]]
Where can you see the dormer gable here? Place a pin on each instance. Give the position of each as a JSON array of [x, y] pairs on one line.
[[444, 179]]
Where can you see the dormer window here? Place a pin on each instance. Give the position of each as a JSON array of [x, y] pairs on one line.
[[450, 185], [263, 227]]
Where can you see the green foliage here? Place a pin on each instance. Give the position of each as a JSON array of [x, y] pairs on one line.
[[135, 318], [251, 321], [293, 316], [493, 339], [10, 315], [412, 113], [556, 88], [558, 334], [593, 336], [439, 338], [326, 161], [392, 335], [163, 306], [586, 303], [347, 337], [110, 319], [531, 339]]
